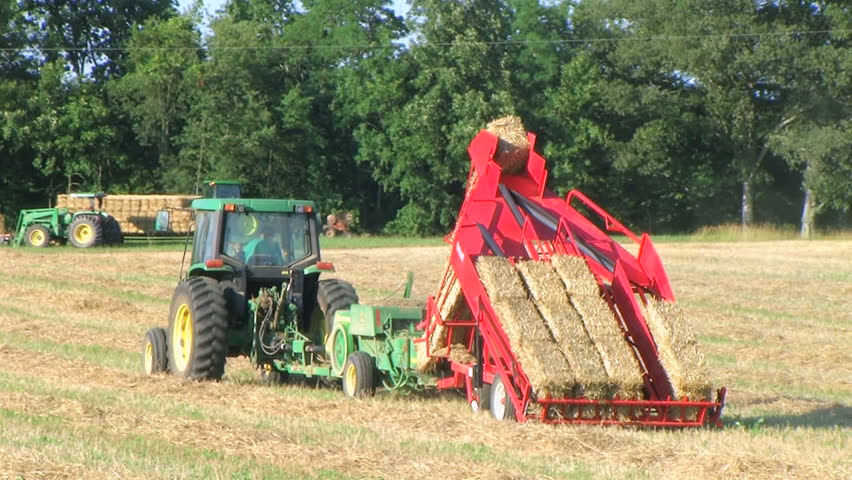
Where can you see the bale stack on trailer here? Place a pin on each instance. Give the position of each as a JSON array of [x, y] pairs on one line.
[[683, 361], [540, 356], [136, 213]]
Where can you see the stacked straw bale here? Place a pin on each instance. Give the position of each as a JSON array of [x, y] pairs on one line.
[[678, 350], [136, 213], [544, 363], [451, 304], [513, 148], [567, 327], [604, 330]]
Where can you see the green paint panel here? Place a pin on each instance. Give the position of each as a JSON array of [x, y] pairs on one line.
[[252, 204]]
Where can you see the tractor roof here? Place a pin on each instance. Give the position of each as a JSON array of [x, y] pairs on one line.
[[252, 204]]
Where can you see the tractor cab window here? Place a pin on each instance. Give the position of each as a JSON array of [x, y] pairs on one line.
[[266, 239], [204, 247]]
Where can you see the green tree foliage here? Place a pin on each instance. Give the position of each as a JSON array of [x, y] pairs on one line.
[[671, 114]]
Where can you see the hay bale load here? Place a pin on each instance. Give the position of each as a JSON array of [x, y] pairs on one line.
[[540, 357], [678, 350], [548, 291], [513, 148], [604, 330], [451, 304], [136, 213]]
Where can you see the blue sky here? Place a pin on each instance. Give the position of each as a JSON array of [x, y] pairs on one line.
[[400, 6]]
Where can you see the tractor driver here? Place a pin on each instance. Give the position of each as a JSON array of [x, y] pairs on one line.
[[264, 246]]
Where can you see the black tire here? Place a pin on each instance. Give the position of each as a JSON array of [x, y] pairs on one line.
[[37, 236], [155, 358], [197, 335], [112, 231], [484, 394], [86, 231], [359, 375], [500, 404], [334, 295]]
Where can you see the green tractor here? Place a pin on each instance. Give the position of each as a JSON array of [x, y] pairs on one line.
[[253, 288], [83, 229]]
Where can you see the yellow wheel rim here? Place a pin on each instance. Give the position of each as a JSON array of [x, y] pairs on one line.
[[36, 237], [83, 233], [351, 378], [182, 337], [149, 358]]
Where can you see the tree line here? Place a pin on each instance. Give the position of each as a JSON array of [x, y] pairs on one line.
[[672, 114]]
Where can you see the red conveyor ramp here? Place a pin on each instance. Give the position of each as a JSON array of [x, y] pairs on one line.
[[517, 217]]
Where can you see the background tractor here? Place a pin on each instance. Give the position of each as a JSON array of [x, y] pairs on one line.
[[82, 228], [253, 288]]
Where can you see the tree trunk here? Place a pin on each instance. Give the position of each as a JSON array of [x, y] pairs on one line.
[[808, 209], [747, 207]]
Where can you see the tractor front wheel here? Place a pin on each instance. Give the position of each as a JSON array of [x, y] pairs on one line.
[[86, 231], [197, 330], [37, 236], [359, 375], [500, 403], [155, 357]]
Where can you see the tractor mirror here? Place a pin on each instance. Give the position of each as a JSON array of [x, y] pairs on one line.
[[161, 223]]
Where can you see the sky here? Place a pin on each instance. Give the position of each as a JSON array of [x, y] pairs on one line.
[[399, 6]]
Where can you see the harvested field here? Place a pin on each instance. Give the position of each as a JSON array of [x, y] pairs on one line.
[[772, 319]]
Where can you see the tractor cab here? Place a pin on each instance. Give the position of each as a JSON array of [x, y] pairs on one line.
[[221, 189]]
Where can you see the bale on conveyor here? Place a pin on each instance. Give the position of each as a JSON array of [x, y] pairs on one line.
[[576, 275], [513, 148], [541, 359], [604, 329], [451, 304], [567, 328], [678, 350]]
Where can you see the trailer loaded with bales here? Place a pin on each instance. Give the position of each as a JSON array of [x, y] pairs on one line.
[[540, 314]]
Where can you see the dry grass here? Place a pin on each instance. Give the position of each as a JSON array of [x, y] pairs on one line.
[[773, 320]]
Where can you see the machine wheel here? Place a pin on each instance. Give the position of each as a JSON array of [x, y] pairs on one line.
[[86, 231], [334, 295], [197, 330], [270, 376], [484, 394], [37, 236], [339, 350], [359, 375], [155, 351], [500, 404], [112, 231]]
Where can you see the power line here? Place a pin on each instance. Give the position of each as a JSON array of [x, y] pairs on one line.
[[656, 38]]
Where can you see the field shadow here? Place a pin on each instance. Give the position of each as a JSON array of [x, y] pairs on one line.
[[827, 417]]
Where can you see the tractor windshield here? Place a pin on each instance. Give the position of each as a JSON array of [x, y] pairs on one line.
[[267, 239]]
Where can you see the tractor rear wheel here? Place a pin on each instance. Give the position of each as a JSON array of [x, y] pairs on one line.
[[86, 231], [334, 295], [112, 231], [155, 357], [500, 403], [359, 375], [37, 236], [197, 330]]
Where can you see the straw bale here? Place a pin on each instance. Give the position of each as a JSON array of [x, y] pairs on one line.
[[546, 368], [617, 355], [500, 278], [513, 148], [451, 304], [576, 275], [521, 321], [459, 353], [567, 328], [678, 350]]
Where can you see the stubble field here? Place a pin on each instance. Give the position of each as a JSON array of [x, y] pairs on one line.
[[774, 320]]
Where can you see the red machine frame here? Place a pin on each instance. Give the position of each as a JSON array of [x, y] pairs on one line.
[[517, 217]]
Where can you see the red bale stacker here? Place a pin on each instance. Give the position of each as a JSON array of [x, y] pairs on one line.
[[514, 215]]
